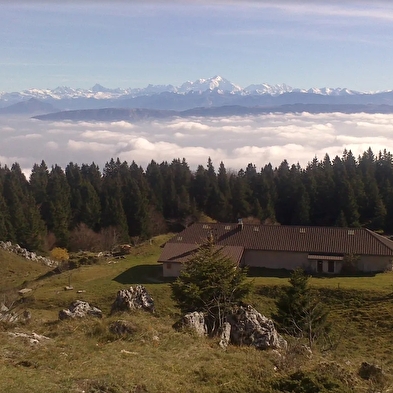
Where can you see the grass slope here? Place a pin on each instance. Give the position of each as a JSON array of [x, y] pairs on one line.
[[82, 356]]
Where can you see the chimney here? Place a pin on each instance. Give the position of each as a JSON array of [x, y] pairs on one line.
[[240, 224]]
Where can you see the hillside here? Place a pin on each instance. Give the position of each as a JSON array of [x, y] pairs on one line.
[[84, 356]]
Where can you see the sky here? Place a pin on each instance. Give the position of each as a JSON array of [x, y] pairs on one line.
[[134, 43], [237, 141]]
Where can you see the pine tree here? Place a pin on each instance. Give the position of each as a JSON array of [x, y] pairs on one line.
[[299, 312], [28, 228], [211, 283], [58, 206]]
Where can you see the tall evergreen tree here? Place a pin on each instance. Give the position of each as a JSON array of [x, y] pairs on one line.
[[299, 311], [28, 228], [58, 206]]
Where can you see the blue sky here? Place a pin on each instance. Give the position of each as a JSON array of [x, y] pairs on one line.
[[131, 44]]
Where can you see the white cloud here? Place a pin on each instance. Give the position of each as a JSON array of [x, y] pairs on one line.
[[236, 141]]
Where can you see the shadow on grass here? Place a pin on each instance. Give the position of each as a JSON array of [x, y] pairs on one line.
[[284, 273], [265, 272], [50, 273], [143, 274]]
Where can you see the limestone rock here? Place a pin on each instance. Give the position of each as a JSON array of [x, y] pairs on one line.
[[24, 291], [80, 309], [121, 327], [249, 327], [225, 335], [195, 321], [33, 338], [9, 317], [133, 298], [32, 256], [12, 316]]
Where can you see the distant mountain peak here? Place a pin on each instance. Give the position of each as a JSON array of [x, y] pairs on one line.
[[203, 92]]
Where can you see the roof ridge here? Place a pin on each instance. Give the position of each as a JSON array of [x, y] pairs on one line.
[[281, 226], [383, 240]]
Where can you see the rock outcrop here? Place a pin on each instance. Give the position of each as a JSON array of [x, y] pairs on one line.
[[225, 335], [134, 298], [122, 328], [195, 321], [33, 338], [244, 326], [12, 316], [249, 327], [32, 256], [80, 309]]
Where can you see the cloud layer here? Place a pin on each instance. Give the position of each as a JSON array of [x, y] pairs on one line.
[[236, 141]]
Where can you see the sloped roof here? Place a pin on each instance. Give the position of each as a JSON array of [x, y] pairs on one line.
[[180, 252], [315, 240]]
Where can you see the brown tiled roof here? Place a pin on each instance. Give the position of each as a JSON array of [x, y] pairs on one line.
[[180, 252], [316, 240]]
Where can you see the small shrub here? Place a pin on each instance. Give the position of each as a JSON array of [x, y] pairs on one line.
[[59, 254]]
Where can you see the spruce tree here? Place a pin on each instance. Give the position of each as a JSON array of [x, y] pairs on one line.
[[299, 312], [58, 206], [211, 283]]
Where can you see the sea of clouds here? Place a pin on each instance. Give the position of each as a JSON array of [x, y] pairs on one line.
[[236, 141]]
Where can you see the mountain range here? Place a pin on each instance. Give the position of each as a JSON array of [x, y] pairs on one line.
[[203, 93]]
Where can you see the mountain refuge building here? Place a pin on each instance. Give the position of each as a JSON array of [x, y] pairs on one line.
[[321, 250]]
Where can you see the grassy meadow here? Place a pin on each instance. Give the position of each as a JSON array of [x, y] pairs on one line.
[[83, 356]]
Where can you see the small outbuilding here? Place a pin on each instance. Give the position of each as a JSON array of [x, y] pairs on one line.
[[316, 249]]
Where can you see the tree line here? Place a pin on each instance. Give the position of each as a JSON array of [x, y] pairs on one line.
[[57, 206]]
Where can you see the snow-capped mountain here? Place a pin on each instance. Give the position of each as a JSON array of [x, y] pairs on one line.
[[216, 83], [211, 92]]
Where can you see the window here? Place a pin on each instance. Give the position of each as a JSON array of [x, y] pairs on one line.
[[179, 238], [302, 230], [351, 232], [319, 266], [227, 227], [169, 266], [330, 266], [205, 226], [256, 229]]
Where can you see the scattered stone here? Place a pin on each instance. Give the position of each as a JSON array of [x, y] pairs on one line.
[[155, 338], [128, 352], [121, 327], [32, 256], [104, 254], [33, 338], [24, 291], [9, 317], [13, 317], [133, 299], [80, 309], [249, 327], [68, 288], [195, 321], [81, 291], [3, 308]]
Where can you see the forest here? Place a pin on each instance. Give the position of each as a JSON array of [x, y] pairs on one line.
[[82, 206]]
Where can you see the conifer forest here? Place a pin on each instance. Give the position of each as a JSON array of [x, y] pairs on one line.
[[71, 207]]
